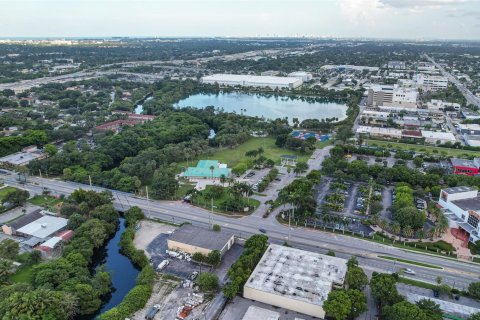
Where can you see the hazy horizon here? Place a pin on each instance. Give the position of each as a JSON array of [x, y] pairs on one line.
[[345, 19]]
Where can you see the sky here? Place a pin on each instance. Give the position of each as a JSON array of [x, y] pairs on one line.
[[403, 19]]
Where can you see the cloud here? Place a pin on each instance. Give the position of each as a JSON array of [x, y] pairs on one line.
[[421, 3]]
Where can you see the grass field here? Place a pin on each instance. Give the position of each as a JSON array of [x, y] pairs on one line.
[[421, 264], [5, 191], [45, 201], [419, 148], [24, 274], [232, 156]]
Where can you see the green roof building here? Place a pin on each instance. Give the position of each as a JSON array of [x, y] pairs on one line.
[[203, 171]]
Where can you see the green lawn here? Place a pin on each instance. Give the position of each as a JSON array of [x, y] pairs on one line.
[[217, 203], [420, 148], [417, 283], [45, 201], [232, 156], [5, 191], [23, 274], [421, 264]]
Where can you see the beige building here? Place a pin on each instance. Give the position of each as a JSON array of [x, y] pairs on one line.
[[192, 239], [295, 279]]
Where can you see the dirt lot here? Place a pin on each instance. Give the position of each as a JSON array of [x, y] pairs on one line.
[[148, 231]]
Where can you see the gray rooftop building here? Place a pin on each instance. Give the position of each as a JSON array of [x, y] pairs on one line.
[[191, 239]]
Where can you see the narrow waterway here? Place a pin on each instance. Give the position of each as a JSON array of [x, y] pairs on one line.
[[121, 269], [139, 107]]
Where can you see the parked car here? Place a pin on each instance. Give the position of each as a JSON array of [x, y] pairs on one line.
[[262, 230], [194, 275], [409, 271], [436, 294], [152, 312]]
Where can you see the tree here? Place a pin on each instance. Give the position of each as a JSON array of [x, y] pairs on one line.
[[300, 167], [352, 262], [9, 249], [383, 288], [214, 257], [444, 289], [6, 269], [75, 221], [358, 301], [403, 311], [431, 309], [207, 281], [338, 305], [356, 278], [133, 215], [88, 299], [474, 289], [331, 253], [216, 228], [50, 149], [17, 197], [418, 162], [475, 316]]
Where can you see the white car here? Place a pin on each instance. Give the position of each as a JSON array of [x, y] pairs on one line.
[[409, 271]]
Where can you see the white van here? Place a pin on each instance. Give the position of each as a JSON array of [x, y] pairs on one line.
[[162, 265]]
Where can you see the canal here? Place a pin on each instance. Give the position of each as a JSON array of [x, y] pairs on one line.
[[121, 269]]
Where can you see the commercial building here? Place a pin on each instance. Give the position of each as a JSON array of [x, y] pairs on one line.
[[396, 65], [438, 137], [295, 279], [10, 228], [465, 167], [441, 105], [473, 129], [426, 66], [394, 96], [207, 169], [304, 76], [382, 133], [43, 227], [431, 82], [253, 81], [348, 67], [470, 115], [462, 207], [270, 73], [471, 140], [192, 239]]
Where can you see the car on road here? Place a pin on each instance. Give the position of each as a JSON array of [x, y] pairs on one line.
[[409, 271], [436, 293], [194, 275], [262, 230]]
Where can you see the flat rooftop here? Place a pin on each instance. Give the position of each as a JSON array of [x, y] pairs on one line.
[[44, 227], [462, 163], [250, 79], [460, 189], [297, 274], [255, 313], [472, 204], [200, 237]]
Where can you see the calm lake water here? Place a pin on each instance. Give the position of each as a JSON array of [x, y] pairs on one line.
[[268, 107], [121, 269]]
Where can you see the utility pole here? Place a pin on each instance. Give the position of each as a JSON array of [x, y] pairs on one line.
[[211, 214], [90, 180], [40, 173], [148, 201]]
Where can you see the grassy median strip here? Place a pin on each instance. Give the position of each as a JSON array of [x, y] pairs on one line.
[[417, 283], [421, 264]]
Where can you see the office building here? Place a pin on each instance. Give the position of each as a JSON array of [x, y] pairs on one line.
[[253, 81], [431, 82], [396, 65], [295, 279], [392, 96], [462, 207]]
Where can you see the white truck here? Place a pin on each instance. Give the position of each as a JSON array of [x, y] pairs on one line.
[[162, 265]]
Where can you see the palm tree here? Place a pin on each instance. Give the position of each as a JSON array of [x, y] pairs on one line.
[[211, 169], [223, 179], [383, 224], [395, 227], [408, 231]]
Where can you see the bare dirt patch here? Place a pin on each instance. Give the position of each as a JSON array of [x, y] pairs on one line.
[[148, 231]]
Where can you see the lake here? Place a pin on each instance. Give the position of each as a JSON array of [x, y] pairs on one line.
[[271, 107]]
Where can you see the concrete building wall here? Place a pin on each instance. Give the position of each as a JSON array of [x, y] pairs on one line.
[[174, 246], [8, 230], [284, 302]]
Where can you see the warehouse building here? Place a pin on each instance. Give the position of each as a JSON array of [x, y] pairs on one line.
[[43, 227], [192, 239], [10, 228], [295, 279], [253, 81], [304, 76], [438, 137]]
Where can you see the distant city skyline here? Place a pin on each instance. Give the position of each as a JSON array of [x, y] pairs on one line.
[[390, 19]]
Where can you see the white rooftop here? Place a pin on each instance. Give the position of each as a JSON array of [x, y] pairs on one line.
[[255, 313], [250, 79], [438, 135], [44, 227], [446, 306], [52, 242], [297, 274]]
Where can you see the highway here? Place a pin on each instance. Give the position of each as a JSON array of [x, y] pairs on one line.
[[469, 96], [454, 272]]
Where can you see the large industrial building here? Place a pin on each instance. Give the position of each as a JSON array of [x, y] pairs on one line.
[[253, 81], [192, 239], [295, 279], [305, 76], [462, 207]]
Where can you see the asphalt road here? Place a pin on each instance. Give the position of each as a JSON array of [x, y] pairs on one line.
[[453, 271]]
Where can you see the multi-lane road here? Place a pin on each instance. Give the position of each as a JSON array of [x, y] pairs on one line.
[[469, 96], [454, 272]]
